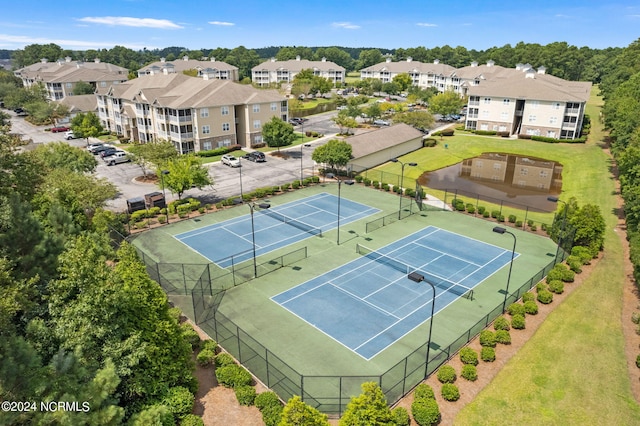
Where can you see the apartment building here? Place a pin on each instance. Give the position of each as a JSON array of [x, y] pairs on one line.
[[60, 77], [194, 113], [273, 71], [422, 74], [206, 69], [526, 101]]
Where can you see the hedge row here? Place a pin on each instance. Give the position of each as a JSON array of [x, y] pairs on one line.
[[218, 151], [424, 408]]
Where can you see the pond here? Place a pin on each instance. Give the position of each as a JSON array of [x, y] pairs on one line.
[[514, 180]]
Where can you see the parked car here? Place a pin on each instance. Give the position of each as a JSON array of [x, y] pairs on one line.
[[70, 135], [60, 129], [256, 156], [92, 146], [230, 160], [380, 122], [117, 158], [295, 121], [108, 152], [98, 149], [341, 107]]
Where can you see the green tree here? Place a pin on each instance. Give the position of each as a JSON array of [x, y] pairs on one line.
[[60, 155], [86, 125], [391, 88], [155, 153], [344, 121], [373, 111], [335, 153], [417, 119], [446, 103], [185, 172], [83, 88], [369, 57], [244, 59], [369, 408], [589, 226], [403, 80], [297, 413], [277, 133]]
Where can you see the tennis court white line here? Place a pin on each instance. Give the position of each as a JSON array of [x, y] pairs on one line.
[[377, 308]]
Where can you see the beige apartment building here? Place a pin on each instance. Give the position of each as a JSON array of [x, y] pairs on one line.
[[206, 69], [273, 71], [60, 77], [422, 74], [193, 113]]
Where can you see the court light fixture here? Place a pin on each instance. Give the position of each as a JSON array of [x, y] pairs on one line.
[[417, 277], [252, 207], [340, 182], [166, 205], [554, 199], [412, 164], [501, 230]]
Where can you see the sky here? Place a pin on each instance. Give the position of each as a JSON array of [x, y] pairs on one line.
[[197, 24]]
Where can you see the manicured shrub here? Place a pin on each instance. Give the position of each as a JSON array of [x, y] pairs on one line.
[[471, 209], [212, 345], [468, 356], [245, 395], [488, 354], [528, 296], [295, 184], [488, 338], [359, 179], [206, 357], [191, 420], [635, 317], [638, 361], [501, 323], [400, 416], [450, 392], [223, 359], [517, 322], [266, 399], [233, 376], [583, 253], [500, 218], [534, 228], [179, 400], [470, 372], [447, 374], [556, 286], [495, 213], [425, 412], [503, 337], [485, 214], [367, 182], [423, 390], [530, 223], [271, 416], [481, 209], [512, 218], [375, 184], [190, 335], [541, 286], [162, 218], [545, 297], [515, 309], [575, 264], [531, 307], [518, 224]]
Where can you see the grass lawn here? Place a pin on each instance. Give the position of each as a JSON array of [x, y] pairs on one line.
[[573, 371]]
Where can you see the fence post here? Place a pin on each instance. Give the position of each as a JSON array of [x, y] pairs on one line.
[[184, 279], [238, 339]]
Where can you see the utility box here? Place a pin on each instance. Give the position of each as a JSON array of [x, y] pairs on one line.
[[135, 204], [154, 199]]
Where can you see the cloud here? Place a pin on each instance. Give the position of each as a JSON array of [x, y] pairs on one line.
[[426, 24], [345, 25], [222, 23], [124, 21], [69, 44]]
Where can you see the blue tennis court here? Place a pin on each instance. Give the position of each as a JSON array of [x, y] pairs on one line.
[[369, 303], [231, 241]]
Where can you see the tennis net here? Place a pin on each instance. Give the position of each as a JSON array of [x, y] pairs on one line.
[[293, 222], [457, 289], [384, 259]]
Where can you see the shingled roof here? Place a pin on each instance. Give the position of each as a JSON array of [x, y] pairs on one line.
[[378, 140]]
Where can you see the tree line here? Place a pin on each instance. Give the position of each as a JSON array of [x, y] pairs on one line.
[[560, 58]]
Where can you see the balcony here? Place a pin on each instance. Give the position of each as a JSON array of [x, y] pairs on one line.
[[182, 137]]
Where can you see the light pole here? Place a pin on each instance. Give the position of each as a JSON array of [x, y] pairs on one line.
[[348, 182], [414, 276], [252, 207], [501, 230], [303, 145], [395, 160], [564, 223], [166, 205]]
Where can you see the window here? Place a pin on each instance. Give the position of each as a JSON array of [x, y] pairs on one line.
[[497, 166], [505, 102], [204, 112], [256, 124], [544, 173], [524, 171], [532, 118], [256, 107], [206, 129], [257, 139], [224, 110], [103, 84], [207, 146], [69, 85], [224, 142], [535, 104], [487, 101], [553, 120], [555, 105], [274, 106], [503, 116], [225, 127]]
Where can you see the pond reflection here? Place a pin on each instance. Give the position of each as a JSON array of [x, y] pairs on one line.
[[516, 180]]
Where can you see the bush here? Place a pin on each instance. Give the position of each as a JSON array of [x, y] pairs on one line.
[[517, 322], [638, 361], [162, 218], [574, 263], [531, 307], [541, 286], [295, 184], [488, 354], [515, 309], [271, 416], [503, 337], [447, 374], [501, 323], [534, 228], [495, 214], [471, 209], [512, 218], [385, 186], [400, 416], [179, 400], [375, 184], [190, 335], [206, 357], [545, 297], [488, 338], [191, 420], [556, 286], [212, 345], [468, 356], [223, 359], [233, 376], [367, 182], [429, 142], [481, 209], [266, 399], [450, 392], [470, 372], [425, 412], [518, 224], [485, 214], [583, 253], [245, 395], [359, 178], [424, 391], [635, 317], [527, 297]]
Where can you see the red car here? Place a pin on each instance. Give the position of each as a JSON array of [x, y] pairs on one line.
[[59, 129]]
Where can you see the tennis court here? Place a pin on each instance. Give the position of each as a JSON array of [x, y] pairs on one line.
[[370, 303], [231, 241]]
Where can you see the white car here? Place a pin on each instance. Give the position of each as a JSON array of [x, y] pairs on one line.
[[230, 160], [381, 122], [69, 135]]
